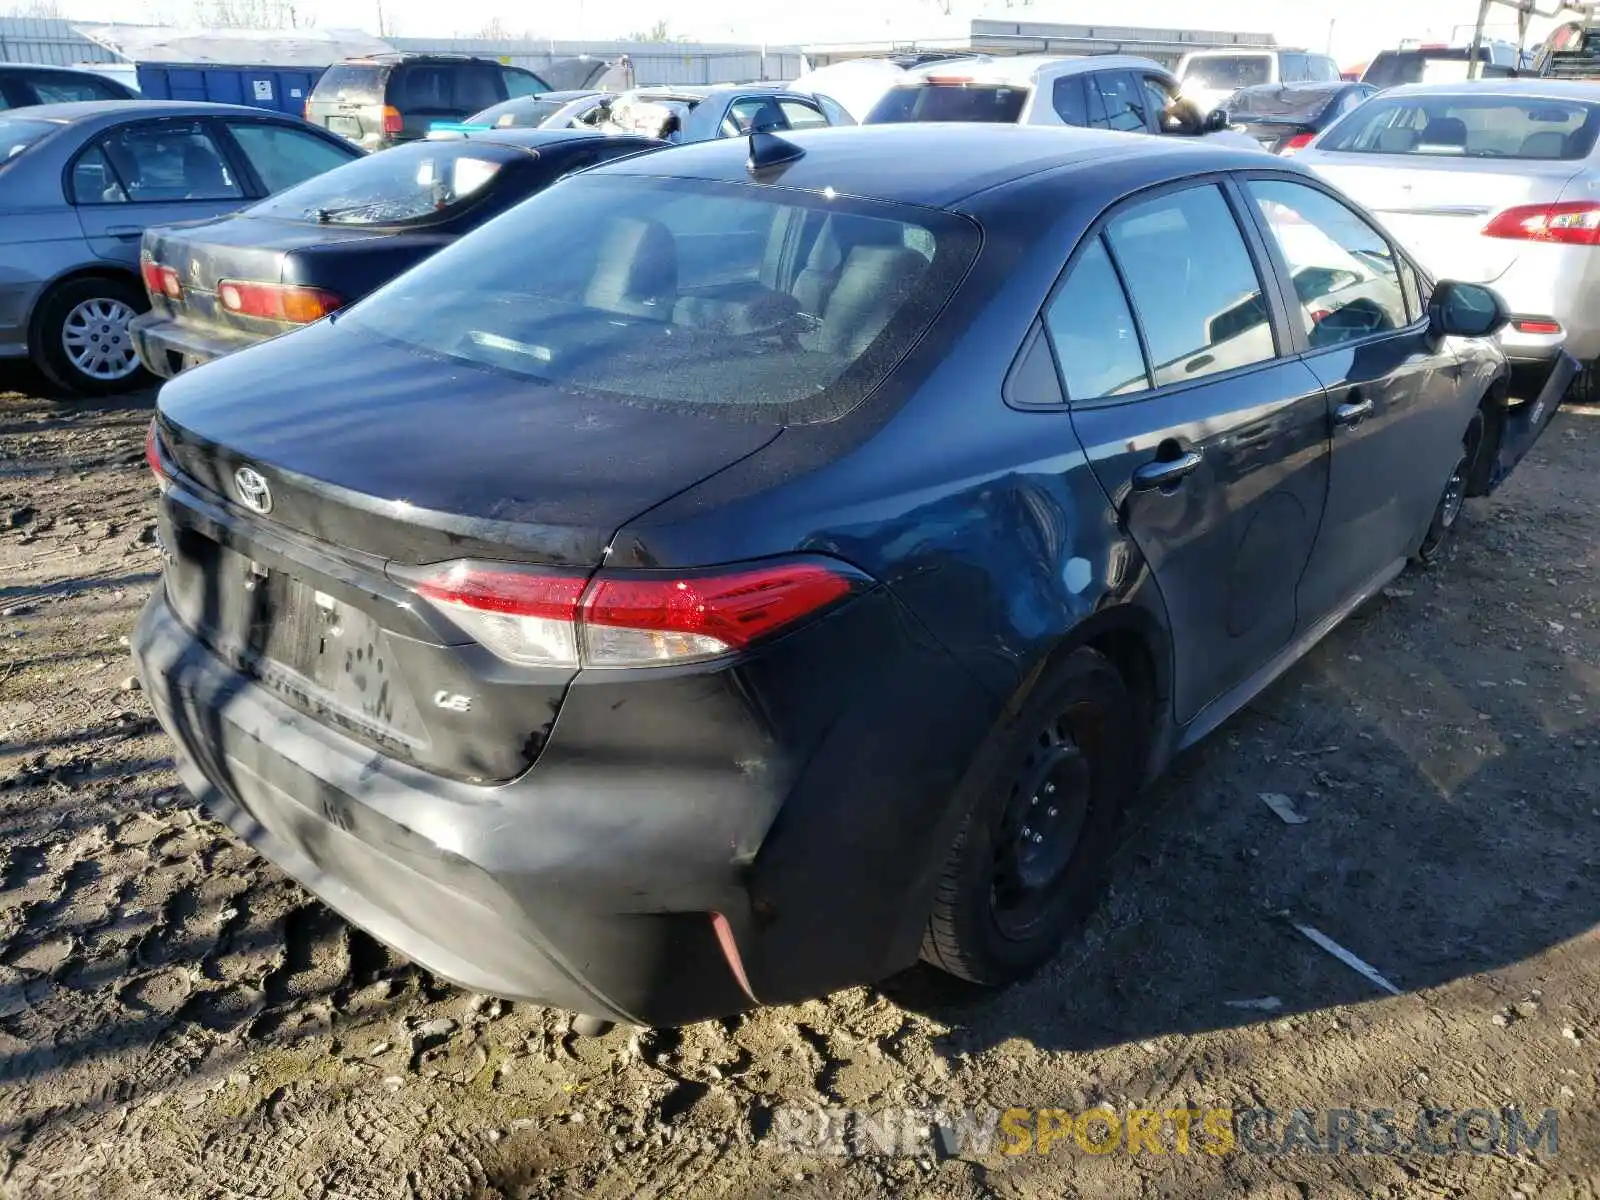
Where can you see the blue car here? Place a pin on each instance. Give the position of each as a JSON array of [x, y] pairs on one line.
[[737, 571]]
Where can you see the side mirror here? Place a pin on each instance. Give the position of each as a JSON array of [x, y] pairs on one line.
[[1216, 121], [1466, 310]]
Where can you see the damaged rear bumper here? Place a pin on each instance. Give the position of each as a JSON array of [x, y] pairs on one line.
[[1525, 422]]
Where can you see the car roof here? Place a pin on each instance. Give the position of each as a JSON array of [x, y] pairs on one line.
[[928, 164], [1029, 68], [6, 67], [1543, 89], [1229, 51], [531, 138], [82, 110], [1309, 87]]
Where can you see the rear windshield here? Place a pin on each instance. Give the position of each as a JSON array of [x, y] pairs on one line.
[[1395, 67], [1512, 127], [409, 184], [357, 84], [999, 104], [1220, 71], [520, 112], [755, 302], [1280, 103], [16, 135]]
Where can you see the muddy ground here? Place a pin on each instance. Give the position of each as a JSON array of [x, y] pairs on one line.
[[177, 1019]]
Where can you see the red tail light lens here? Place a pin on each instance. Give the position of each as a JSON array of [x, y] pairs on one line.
[[159, 280], [393, 122], [276, 301], [1298, 142], [622, 621], [152, 457], [1571, 223]]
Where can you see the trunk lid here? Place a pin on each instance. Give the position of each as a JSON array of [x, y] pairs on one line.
[[388, 460], [1438, 206]]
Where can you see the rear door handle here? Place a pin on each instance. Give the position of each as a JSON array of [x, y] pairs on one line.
[[1352, 412], [124, 231], [1160, 473]]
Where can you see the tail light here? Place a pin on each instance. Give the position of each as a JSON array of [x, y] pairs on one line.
[[654, 619], [159, 280], [153, 459], [393, 122], [1571, 223], [1298, 142], [305, 110], [277, 301]]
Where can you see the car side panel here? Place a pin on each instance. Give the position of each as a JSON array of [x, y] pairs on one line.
[[36, 247]]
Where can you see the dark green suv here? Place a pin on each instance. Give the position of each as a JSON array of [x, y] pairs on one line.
[[380, 101]]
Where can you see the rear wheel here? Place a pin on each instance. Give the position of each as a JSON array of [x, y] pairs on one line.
[[81, 340], [1025, 867], [1447, 512]]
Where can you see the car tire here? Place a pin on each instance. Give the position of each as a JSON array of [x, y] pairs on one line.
[[1585, 385], [1447, 512], [80, 336], [1026, 864]]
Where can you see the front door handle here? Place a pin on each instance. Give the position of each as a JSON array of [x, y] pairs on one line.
[[1352, 412], [1161, 473], [124, 231]]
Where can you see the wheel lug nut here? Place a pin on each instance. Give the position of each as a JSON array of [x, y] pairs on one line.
[[1051, 813], [1037, 838], [1050, 788]]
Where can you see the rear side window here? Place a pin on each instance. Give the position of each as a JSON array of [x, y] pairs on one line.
[[475, 86], [752, 113], [423, 87], [1191, 277], [157, 163], [1091, 327], [801, 115], [668, 291], [1470, 126], [1345, 275], [999, 104], [1068, 99], [351, 84], [283, 156], [1122, 99], [66, 89]]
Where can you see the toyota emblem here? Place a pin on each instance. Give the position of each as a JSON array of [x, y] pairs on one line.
[[253, 491]]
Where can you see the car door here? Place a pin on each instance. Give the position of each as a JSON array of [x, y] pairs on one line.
[[1393, 411], [144, 173], [1209, 439]]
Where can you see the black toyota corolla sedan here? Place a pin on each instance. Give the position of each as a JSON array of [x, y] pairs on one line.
[[744, 568], [217, 286]]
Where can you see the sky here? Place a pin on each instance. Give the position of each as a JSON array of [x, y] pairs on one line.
[[1354, 29]]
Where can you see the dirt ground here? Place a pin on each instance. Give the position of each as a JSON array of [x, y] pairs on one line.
[[177, 1019]]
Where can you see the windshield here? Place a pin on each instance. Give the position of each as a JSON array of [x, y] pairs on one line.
[[409, 183], [522, 112], [1511, 127], [756, 301], [1219, 72], [16, 135], [999, 104], [1280, 103]]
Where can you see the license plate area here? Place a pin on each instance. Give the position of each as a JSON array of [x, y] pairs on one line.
[[348, 126], [320, 653]]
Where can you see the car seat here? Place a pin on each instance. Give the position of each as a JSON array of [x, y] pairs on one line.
[[1445, 132], [203, 175], [636, 273]]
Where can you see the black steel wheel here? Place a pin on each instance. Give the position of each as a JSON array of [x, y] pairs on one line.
[[1447, 511], [1026, 865]]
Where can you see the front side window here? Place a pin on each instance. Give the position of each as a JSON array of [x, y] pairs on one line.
[[1346, 278], [607, 285], [158, 163], [1194, 285], [1469, 126], [283, 156], [414, 183], [1092, 330], [522, 83], [1123, 100]]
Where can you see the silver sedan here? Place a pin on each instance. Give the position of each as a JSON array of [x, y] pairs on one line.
[[79, 184], [1494, 182]]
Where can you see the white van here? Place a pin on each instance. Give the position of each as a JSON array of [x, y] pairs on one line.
[[1208, 77]]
